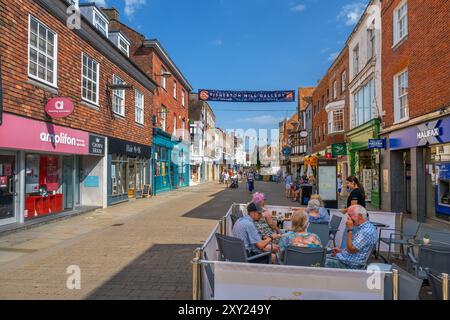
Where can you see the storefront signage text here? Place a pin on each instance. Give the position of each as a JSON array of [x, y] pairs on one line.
[[117, 146], [59, 107], [377, 143], [429, 133], [96, 145], [338, 149], [26, 134]]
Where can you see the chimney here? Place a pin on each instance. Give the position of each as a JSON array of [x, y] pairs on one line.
[[111, 13]]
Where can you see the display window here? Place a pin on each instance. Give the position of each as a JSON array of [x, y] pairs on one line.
[[439, 170], [43, 185], [119, 166]]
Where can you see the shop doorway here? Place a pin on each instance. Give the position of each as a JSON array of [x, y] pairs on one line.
[[132, 178], [407, 175], [68, 182], [7, 189]]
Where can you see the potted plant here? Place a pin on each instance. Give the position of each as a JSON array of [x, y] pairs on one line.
[[426, 239]]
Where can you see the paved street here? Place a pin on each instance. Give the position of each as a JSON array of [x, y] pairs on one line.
[[137, 250]]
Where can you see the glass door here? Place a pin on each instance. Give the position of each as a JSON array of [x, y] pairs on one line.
[[68, 182], [7, 189], [131, 178]]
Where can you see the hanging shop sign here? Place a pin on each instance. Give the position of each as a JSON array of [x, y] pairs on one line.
[[96, 145], [59, 107], [377, 143], [117, 146], [287, 151], [246, 96], [429, 133], [338, 149]]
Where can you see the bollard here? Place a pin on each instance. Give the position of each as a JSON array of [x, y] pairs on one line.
[[445, 286], [222, 227], [196, 274], [394, 284]]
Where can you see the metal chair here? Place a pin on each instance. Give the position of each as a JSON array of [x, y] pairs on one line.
[[410, 229], [322, 231], [436, 284], [334, 227], [408, 285], [233, 249], [305, 257], [433, 256]]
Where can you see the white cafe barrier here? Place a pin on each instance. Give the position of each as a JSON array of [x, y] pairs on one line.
[[254, 281], [242, 281]]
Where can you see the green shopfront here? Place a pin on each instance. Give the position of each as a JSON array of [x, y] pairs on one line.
[[170, 162], [365, 162]]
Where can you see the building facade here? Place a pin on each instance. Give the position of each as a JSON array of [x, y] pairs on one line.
[[171, 138], [59, 121], [365, 106], [416, 96]]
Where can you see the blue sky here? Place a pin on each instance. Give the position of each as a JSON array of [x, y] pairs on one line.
[[246, 45]]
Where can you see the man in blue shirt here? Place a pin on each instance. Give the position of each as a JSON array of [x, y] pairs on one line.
[[245, 230], [361, 240]]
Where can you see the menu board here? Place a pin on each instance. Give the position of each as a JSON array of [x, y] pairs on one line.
[[327, 182]]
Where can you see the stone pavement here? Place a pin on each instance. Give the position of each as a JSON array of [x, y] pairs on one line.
[[137, 250]]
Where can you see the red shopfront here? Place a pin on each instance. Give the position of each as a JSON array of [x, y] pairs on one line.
[[41, 165]]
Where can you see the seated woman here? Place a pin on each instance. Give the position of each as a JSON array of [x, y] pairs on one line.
[[299, 236], [266, 224], [316, 210]]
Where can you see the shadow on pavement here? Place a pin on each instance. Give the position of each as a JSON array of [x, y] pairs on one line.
[[164, 271], [221, 202]]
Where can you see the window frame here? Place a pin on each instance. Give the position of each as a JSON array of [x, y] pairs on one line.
[[163, 79], [163, 118], [356, 60], [335, 90], [343, 81], [396, 30], [116, 77], [371, 42], [54, 82], [98, 15], [397, 96], [183, 98], [126, 49], [97, 80], [139, 97], [175, 89]]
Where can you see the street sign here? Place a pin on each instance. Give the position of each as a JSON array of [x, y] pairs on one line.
[[377, 143], [247, 96], [338, 149], [304, 134]]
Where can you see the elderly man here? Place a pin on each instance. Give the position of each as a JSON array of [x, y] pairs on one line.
[[245, 230], [361, 239]]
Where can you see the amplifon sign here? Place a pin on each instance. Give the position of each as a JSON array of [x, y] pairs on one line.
[[59, 107], [26, 134]]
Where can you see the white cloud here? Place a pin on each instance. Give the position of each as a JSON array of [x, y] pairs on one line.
[[298, 8], [333, 56], [131, 6], [217, 43], [263, 120], [351, 13]]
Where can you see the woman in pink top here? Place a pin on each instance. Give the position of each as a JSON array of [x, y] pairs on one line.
[[260, 200]]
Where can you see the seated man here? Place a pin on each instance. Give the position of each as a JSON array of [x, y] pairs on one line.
[[361, 239], [245, 230]]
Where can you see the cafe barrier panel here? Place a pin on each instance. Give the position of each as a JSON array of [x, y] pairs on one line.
[[215, 279]]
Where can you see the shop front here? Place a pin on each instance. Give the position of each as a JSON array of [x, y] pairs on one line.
[[170, 162], [128, 170], [365, 162], [419, 167], [44, 169], [339, 152]]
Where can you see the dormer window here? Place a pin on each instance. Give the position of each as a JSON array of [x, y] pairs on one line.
[[124, 46], [101, 24]]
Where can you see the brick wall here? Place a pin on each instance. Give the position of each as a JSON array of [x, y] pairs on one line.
[[151, 63], [425, 52], [325, 89], [26, 98]]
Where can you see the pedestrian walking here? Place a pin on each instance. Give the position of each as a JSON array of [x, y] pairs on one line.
[[288, 181], [226, 178], [251, 181]]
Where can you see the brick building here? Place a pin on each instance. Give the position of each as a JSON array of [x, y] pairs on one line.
[[416, 96], [81, 152], [170, 101]]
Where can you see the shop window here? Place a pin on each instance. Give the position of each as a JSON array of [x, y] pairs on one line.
[[90, 78], [118, 97], [43, 185], [119, 167], [363, 104]]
